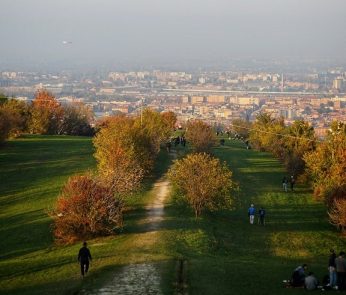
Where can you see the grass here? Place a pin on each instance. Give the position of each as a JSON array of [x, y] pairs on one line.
[[224, 253], [227, 255]]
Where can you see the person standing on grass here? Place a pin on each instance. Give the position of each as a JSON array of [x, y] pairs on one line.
[[251, 213], [261, 216], [84, 257], [284, 184], [340, 265], [331, 269]]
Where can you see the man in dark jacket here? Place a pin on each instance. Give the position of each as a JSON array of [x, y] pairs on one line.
[[84, 257]]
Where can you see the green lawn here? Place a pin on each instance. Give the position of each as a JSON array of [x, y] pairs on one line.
[[224, 253], [227, 255]]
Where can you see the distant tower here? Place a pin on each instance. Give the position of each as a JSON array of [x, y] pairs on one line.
[[282, 82]]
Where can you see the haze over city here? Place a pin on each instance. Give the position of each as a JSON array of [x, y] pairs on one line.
[[97, 33]]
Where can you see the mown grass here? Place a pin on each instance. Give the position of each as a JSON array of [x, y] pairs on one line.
[[225, 254], [32, 172]]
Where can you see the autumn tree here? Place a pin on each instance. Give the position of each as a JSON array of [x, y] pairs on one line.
[[267, 134], [204, 181], [326, 165], [299, 139], [154, 125], [5, 125], [46, 115], [76, 120], [200, 135], [241, 127], [123, 153], [19, 115], [170, 119], [86, 208], [337, 214]]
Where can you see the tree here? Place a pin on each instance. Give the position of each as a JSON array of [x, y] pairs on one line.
[[19, 113], [76, 120], [267, 134], [5, 125], [337, 214], [299, 139], [86, 208], [326, 165], [47, 114], [170, 119], [241, 127], [200, 135], [153, 124], [204, 181], [123, 153]]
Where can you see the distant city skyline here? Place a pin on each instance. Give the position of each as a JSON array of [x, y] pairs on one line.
[[145, 32]]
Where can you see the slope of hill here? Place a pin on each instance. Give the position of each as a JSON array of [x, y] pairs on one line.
[[224, 254]]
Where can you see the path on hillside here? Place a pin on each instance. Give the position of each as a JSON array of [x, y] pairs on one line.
[[141, 278]]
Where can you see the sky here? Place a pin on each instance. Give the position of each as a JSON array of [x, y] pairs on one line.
[[144, 31]]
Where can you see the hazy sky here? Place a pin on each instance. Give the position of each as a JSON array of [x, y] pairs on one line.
[[159, 30]]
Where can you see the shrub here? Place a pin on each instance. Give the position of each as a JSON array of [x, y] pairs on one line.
[[200, 135], [205, 182], [86, 208], [337, 214]]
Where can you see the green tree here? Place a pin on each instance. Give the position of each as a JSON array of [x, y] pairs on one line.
[[204, 181]]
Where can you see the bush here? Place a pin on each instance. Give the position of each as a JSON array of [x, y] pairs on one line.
[[86, 208], [200, 135], [205, 182], [337, 214], [5, 125]]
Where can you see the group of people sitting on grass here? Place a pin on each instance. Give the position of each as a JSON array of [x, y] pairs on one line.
[[336, 279]]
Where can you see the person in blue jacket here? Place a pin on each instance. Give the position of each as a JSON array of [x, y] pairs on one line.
[[251, 213]]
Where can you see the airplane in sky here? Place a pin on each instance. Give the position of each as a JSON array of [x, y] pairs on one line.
[[66, 42]]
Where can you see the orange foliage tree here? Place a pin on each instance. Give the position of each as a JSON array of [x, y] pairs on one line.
[[200, 135], [46, 115], [86, 208]]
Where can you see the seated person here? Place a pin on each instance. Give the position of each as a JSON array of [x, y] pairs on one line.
[[298, 276], [311, 282]]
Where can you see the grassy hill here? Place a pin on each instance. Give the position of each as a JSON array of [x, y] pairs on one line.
[[224, 253]]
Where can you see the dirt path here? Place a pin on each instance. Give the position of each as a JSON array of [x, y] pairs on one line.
[[141, 278]]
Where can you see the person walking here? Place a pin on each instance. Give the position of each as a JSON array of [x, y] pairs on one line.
[[332, 269], [261, 216], [340, 265], [251, 213], [84, 257]]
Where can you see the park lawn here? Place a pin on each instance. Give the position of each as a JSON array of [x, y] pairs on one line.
[[224, 253], [227, 255], [33, 170]]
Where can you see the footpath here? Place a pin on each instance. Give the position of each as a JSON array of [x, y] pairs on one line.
[[140, 278]]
